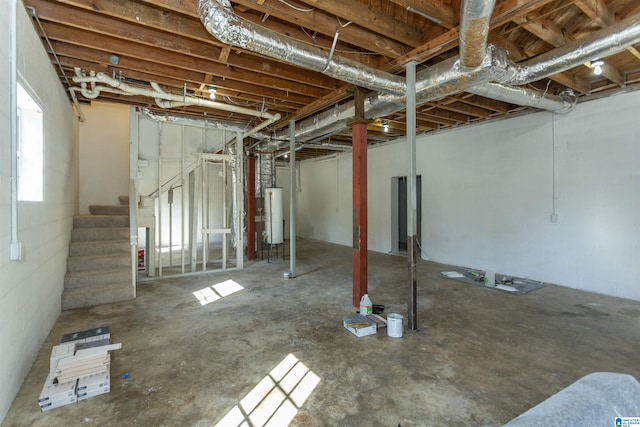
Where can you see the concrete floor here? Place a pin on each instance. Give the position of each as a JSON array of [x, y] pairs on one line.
[[480, 357]]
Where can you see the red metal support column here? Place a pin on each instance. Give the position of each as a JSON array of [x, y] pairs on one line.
[[251, 208], [359, 143]]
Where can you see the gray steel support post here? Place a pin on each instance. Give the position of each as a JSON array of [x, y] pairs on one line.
[[293, 198], [412, 223]]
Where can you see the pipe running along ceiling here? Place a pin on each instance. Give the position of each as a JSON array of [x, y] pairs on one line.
[[481, 69]]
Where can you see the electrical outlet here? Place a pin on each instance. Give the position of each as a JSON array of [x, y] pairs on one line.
[[553, 217]]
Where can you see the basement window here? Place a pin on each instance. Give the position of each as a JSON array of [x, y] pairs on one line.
[[30, 148]]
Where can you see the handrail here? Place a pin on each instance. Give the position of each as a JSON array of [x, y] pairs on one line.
[[177, 177]]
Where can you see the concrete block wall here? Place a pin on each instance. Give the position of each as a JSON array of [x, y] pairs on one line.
[[30, 289], [488, 194]]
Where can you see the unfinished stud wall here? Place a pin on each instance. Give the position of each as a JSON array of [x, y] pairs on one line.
[[30, 289], [104, 155], [488, 196]]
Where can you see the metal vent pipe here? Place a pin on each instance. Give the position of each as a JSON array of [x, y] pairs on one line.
[[441, 80], [475, 17], [598, 45], [220, 20]]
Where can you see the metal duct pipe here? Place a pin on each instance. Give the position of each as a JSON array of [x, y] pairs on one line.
[[600, 44], [124, 88], [220, 20], [475, 17], [562, 103], [443, 79]]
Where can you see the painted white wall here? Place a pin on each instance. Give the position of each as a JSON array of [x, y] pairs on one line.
[[31, 289], [104, 154], [488, 196]]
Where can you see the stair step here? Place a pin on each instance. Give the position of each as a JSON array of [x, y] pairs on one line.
[[95, 234], [99, 248], [89, 296], [109, 209], [124, 200], [98, 262], [97, 278], [100, 221]]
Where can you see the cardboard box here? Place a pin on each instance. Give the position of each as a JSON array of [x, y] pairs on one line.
[[359, 325]]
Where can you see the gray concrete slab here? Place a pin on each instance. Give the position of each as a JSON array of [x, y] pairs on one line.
[[480, 357]]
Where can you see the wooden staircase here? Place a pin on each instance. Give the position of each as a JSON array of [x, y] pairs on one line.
[[99, 264]]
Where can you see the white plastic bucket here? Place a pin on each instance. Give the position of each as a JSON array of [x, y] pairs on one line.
[[395, 325]]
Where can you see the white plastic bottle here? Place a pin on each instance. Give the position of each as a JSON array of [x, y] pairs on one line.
[[366, 306]]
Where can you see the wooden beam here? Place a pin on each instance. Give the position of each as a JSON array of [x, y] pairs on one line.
[[504, 12], [438, 9], [326, 24], [486, 103], [224, 54], [600, 13], [369, 18], [544, 29], [107, 45], [135, 32], [320, 104], [458, 107], [551, 34]]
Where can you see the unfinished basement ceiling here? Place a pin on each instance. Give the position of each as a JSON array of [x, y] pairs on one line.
[[164, 41]]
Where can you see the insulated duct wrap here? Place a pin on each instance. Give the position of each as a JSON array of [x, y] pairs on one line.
[[220, 20], [562, 103], [265, 176], [474, 30], [596, 46], [480, 68]]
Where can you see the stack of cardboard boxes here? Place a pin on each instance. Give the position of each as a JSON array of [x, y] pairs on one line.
[[79, 368]]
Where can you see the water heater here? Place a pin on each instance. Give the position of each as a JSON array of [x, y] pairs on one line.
[[273, 225]]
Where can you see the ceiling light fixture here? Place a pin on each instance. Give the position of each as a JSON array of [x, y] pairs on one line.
[[597, 64], [114, 59], [212, 92], [385, 126]]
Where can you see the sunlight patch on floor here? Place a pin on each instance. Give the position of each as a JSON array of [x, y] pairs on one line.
[[214, 293], [276, 399]]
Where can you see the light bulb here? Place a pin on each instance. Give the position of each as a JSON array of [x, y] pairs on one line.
[[212, 92], [597, 66], [385, 126], [286, 156]]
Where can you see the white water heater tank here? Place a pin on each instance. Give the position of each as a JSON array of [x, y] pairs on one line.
[[273, 226]]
